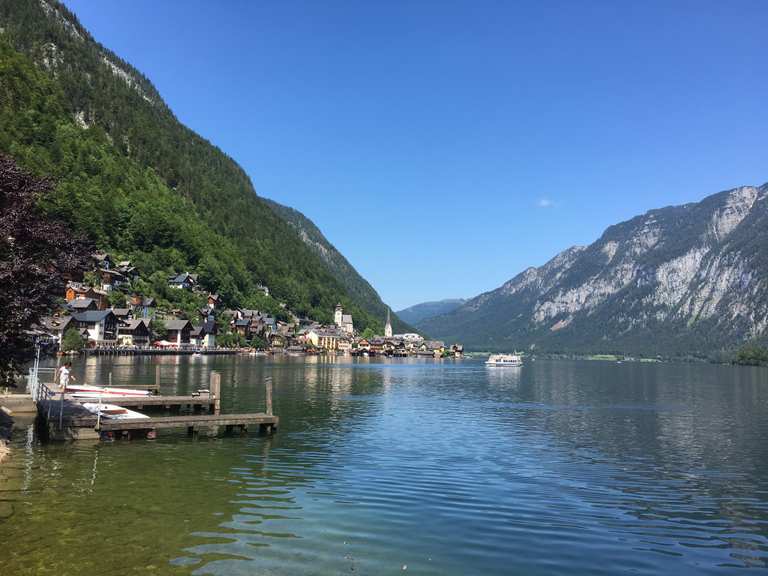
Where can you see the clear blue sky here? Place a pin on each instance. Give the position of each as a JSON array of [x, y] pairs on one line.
[[443, 146]]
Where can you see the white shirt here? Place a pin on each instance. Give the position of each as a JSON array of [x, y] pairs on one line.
[[63, 376]]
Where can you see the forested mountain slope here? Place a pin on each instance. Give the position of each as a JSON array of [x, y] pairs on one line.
[[357, 286], [689, 279], [139, 182]]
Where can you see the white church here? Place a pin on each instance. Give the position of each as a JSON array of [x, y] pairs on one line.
[[343, 321]]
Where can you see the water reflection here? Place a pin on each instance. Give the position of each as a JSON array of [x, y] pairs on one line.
[[441, 467]]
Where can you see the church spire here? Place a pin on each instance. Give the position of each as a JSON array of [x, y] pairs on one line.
[[388, 327]]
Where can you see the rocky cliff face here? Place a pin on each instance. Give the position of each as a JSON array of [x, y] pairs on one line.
[[682, 279]]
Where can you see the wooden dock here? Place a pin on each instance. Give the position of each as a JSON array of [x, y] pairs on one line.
[[63, 417]]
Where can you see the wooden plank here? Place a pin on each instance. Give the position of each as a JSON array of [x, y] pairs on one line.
[[203, 400], [189, 421]]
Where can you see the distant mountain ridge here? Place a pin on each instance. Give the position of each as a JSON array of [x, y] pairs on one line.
[[690, 279], [419, 312]]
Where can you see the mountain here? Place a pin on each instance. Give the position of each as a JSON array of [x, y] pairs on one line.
[[137, 181], [689, 279], [357, 286], [419, 312]]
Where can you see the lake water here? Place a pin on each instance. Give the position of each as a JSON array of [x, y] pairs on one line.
[[424, 467]]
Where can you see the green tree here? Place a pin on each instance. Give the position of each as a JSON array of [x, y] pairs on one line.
[[368, 333], [72, 341], [157, 327]]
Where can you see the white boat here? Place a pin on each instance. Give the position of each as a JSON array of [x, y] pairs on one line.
[[511, 360], [88, 391], [112, 411]]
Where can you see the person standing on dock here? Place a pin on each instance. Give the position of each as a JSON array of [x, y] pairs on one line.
[[64, 376]]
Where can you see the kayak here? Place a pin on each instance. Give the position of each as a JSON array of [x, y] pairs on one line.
[[112, 411], [88, 391]]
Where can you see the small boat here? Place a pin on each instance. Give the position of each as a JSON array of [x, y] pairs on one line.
[[88, 391], [112, 411], [510, 360]]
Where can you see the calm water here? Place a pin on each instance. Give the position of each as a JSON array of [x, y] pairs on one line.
[[425, 467]]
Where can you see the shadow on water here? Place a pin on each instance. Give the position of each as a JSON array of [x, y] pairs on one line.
[[436, 467]]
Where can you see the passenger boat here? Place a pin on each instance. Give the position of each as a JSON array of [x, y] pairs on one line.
[[112, 411], [88, 391], [511, 360]]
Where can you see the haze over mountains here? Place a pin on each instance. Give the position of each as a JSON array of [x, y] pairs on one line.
[[677, 280]]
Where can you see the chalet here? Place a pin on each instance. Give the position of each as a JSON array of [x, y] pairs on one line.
[[134, 332], [142, 307], [432, 348], [179, 332], [127, 269], [344, 345], [363, 345], [111, 278], [100, 324], [123, 314], [242, 327], [56, 326], [205, 334], [277, 340], [457, 350], [377, 346], [75, 290], [82, 305], [183, 281], [213, 301]]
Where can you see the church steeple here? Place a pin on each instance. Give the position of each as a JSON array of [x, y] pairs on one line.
[[388, 327]]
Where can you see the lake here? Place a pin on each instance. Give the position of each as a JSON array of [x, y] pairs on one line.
[[416, 466]]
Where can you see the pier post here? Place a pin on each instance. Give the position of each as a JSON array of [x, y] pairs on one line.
[[215, 389], [157, 378], [268, 386]]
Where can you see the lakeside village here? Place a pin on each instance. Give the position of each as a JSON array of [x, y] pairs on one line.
[[93, 317]]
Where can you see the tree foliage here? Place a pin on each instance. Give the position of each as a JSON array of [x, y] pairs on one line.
[[71, 341], [36, 253]]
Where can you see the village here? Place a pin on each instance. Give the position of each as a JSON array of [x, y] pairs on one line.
[[103, 315]]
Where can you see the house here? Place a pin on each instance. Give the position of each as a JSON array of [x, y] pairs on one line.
[[57, 325], [432, 348], [179, 332], [142, 307], [277, 340], [183, 281], [82, 305], [111, 278], [127, 269], [100, 324], [205, 334], [344, 345], [363, 345], [75, 290], [213, 301], [263, 289], [376, 346], [123, 314], [134, 332]]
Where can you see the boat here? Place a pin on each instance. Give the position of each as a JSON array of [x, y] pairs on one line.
[[112, 411], [88, 391], [510, 360]]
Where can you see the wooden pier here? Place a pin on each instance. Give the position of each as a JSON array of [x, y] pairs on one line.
[[63, 417]]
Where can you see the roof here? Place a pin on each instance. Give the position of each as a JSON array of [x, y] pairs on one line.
[[132, 325], [196, 331], [121, 311], [176, 324], [81, 303], [92, 315], [53, 323]]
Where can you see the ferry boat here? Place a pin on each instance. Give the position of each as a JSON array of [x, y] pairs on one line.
[[504, 360]]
